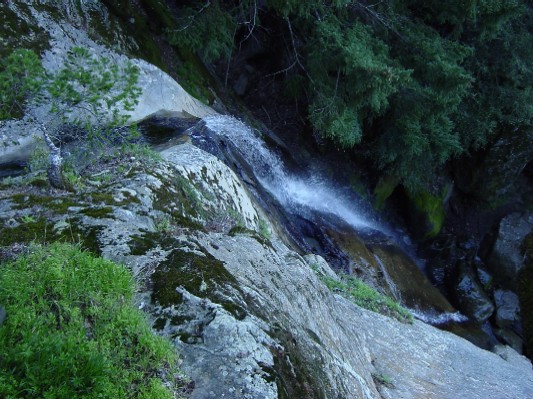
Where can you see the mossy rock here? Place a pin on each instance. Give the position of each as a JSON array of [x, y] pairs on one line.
[[294, 377], [18, 32], [384, 189], [427, 213], [42, 231], [200, 274]]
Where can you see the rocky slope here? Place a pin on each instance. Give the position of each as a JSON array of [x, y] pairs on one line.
[[250, 316]]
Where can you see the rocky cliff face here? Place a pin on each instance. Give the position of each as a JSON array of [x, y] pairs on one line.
[[250, 316]]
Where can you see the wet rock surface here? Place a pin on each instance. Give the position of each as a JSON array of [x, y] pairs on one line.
[[470, 296]]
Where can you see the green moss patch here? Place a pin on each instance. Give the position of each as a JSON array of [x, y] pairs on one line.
[[384, 189], [294, 376], [17, 32], [199, 274], [178, 198], [140, 245], [98, 212], [56, 204], [240, 230], [429, 211], [72, 331], [42, 231]]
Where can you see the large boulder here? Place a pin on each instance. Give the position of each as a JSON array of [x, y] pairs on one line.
[[470, 296], [507, 309], [505, 258]]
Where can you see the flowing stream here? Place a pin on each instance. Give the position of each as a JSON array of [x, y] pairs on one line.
[[311, 195], [318, 215]]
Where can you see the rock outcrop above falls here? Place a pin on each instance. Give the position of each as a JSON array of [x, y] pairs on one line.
[[160, 93], [249, 315]]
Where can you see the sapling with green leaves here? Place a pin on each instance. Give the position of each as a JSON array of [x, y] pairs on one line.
[[93, 93]]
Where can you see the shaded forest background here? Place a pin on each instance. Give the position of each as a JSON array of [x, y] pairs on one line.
[[406, 85]]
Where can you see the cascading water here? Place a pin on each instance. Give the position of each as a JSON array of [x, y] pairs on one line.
[[300, 195], [311, 195]]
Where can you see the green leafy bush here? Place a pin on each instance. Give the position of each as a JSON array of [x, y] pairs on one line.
[[71, 331]]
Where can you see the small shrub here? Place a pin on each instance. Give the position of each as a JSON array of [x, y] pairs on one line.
[[163, 224], [366, 297], [383, 379], [71, 331], [264, 231], [141, 151]]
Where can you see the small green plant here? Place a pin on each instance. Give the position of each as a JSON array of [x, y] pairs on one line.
[[238, 220], [7, 181], [382, 379], [141, 151], [264, 231], [361, 294], [163, 224], [39, 158], [73, 180], [28, 219], [72, 331]]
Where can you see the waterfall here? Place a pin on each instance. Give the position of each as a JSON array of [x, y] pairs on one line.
[[311, 194], [302, 195], [437, 319]]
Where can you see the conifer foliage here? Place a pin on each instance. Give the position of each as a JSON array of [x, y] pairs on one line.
[[91, 92], [409, 84]]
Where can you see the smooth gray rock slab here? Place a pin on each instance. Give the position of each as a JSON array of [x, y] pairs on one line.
[[426, 363]]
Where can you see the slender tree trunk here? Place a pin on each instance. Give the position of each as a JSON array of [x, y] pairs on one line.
[[55, 168]]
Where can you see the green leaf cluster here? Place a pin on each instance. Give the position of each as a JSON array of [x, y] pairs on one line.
[[207, 29], [353, 77], [22, 78], [71, 331]]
